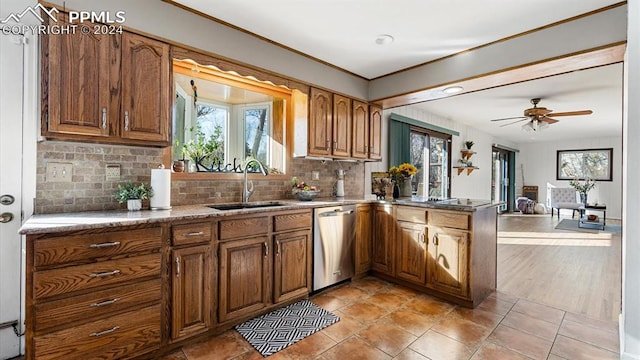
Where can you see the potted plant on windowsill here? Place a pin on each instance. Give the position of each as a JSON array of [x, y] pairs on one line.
[[133, 194]]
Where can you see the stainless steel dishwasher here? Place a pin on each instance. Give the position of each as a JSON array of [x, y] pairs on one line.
[[334, 231]]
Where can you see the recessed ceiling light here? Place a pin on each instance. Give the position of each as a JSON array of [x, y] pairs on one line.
[[452, 89], [384, 39]]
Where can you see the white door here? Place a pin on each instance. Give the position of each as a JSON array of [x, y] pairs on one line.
[[11, 123]]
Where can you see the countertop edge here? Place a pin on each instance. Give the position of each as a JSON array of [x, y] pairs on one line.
[[64, 222]]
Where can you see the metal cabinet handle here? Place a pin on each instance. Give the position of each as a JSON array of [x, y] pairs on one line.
[[277, 247], [266, 249], [104, 245], [104, 117], [434, 240], [423, 238], [104, 274], [105, 332], [126, 120], [105, 303], [177, 266], [335, 145], [191, 234]]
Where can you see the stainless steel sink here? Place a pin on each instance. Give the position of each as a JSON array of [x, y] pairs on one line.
[[239, 206]]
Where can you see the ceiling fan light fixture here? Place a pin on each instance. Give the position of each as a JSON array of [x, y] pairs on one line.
[[452, 89]]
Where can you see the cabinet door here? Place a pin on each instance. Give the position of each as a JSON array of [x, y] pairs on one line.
[[360, 138], [320, 122], [76, 70], [449, 261], [363, 239], [411, 255], [375, 132], [146, 97], [382, 260], [292, 267], [191, 286], [341, 126], [244, 277]]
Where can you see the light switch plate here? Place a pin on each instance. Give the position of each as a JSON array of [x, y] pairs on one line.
[[315, 175], [59, 172], [113, 172]]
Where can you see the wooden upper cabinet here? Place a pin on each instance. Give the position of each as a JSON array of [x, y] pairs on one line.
[[341, 126], [76, 78], [360, 138], [320, 122], [375, 132], [145, 89], [109, 88]]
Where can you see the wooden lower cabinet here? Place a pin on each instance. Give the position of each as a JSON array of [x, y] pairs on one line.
[[364, 228], [191, 291], [383, 246], [245, 268], [292, 259], [411, 252], [449, 261]]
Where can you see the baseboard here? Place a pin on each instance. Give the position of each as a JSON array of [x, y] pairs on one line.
[[623, 355]]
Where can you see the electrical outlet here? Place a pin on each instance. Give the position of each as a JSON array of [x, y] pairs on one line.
[[315, 175], [113, 172], [59, 172]]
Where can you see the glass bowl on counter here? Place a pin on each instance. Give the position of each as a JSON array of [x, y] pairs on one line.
[[307, 195]]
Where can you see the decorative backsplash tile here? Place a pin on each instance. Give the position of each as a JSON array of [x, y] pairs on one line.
[[89, 189]]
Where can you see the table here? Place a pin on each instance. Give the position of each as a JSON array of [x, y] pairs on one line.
[[599, 223]]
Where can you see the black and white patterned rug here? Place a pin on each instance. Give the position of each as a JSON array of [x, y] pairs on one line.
[[280, 328]]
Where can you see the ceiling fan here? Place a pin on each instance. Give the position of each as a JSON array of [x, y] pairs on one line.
[[540, 117]]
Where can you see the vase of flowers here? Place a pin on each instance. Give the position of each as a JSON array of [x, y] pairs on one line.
[[583, 188], [401, 177]]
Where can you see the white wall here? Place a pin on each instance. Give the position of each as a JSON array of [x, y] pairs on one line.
[[630, 319], [475, 186], [539, 163]]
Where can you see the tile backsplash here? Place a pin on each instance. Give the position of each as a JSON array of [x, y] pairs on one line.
[[90, 190]]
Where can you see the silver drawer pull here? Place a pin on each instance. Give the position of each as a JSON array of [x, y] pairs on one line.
[[105, 332], [104, 245], [105, 303], [189, 234], [101, 275]]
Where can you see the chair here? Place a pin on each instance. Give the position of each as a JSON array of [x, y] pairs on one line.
[[564, 198]]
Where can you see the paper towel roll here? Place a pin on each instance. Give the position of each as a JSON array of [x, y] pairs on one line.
[[161, 184]]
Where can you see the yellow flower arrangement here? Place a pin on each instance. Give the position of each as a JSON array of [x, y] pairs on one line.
[[401, 172]]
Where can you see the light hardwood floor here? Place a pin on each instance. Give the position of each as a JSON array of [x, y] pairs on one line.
[[569, 270]]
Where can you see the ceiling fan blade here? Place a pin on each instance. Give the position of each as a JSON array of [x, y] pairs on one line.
[[572, 113], [548, 120], [510, 118], [511, 123]]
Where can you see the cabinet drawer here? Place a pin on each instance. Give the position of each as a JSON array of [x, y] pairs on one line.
[[244, 227], [285, 222], [81, 277], [95, 304], [87, 247], [449, 219], [112, 338], [185, 234], [411, 214]]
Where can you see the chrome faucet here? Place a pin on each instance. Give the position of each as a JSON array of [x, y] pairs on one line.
[[246, 189]]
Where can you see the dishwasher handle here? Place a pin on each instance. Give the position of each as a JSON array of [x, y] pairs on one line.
[[336, 213]]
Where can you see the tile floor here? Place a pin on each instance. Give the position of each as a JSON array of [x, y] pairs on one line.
[[380, 320]]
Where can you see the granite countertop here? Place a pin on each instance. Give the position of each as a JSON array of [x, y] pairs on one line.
[[52, 223]]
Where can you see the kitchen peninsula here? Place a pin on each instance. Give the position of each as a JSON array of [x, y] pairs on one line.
[[147, 282]]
